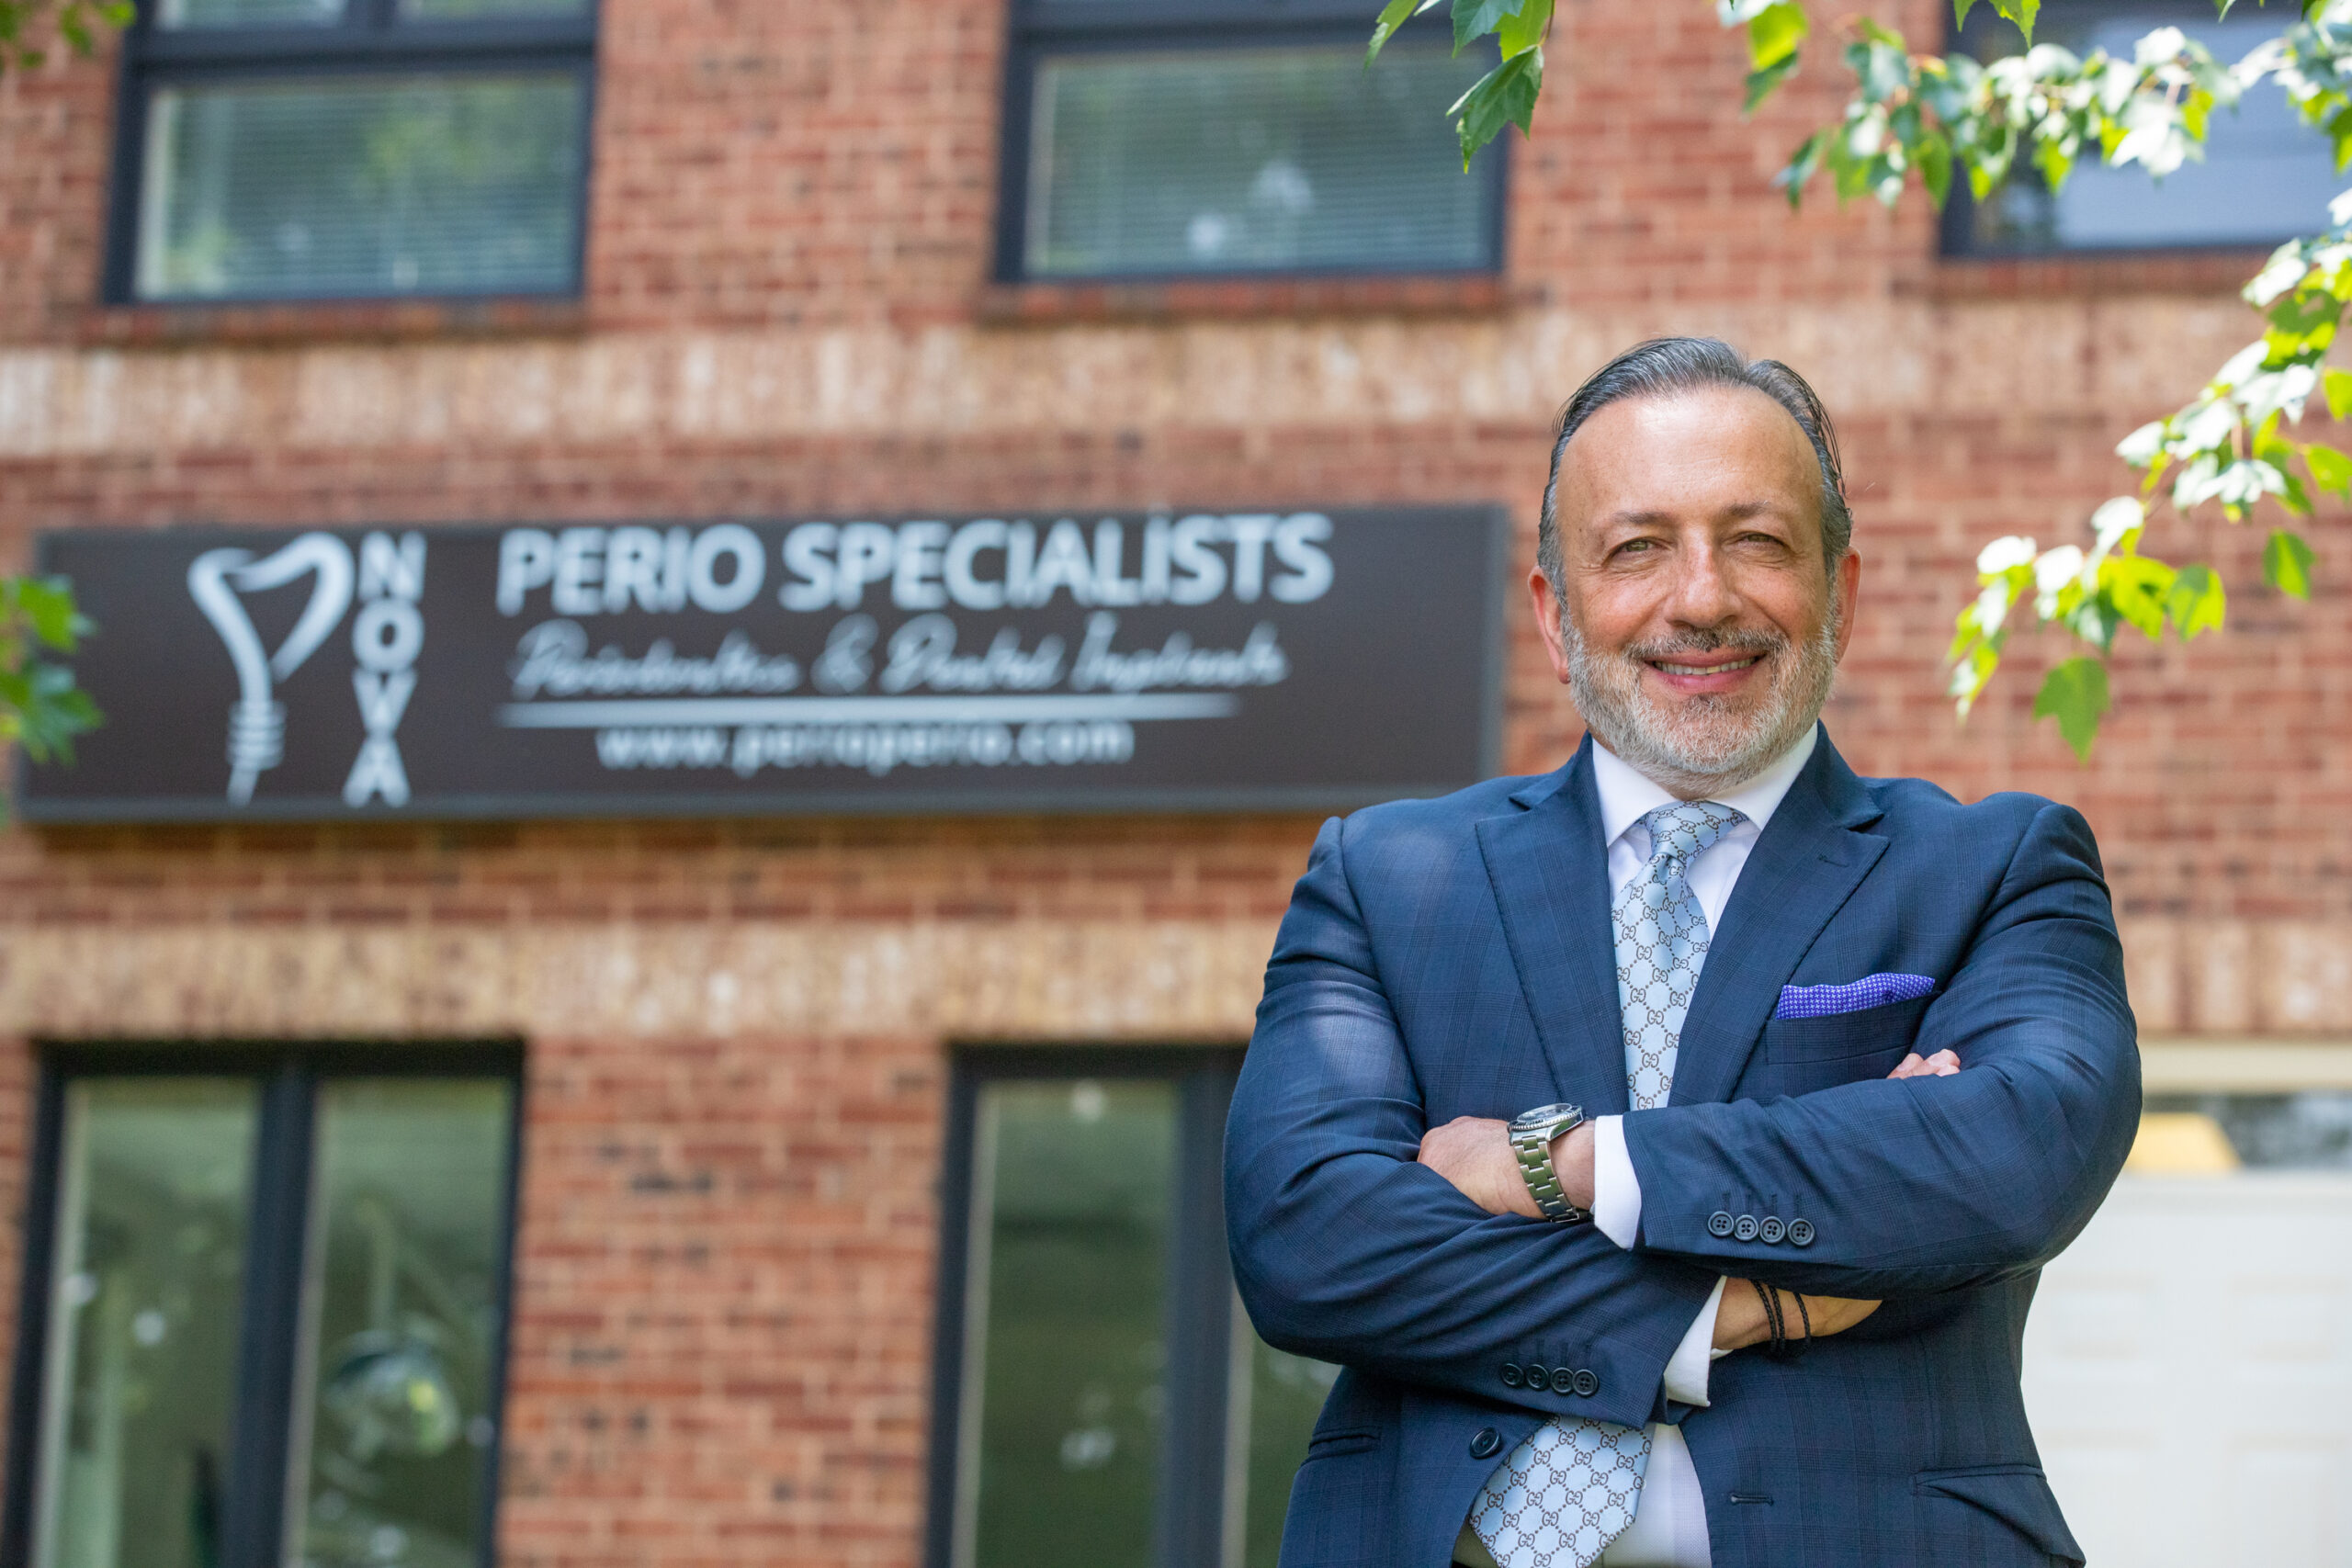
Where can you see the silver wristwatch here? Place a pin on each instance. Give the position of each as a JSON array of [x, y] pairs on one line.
[[1531, 1132]]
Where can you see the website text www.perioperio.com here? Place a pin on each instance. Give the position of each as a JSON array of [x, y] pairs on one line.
[[875, 748]]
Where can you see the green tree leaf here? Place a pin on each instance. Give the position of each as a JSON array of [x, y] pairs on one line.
[[1505, 96], [48, 609], [1960, 10], [53, 714], [2339, 384], [1525, 31], [1392, 15], [1762, 84], [2331, 469], [40, 708], [1933, 155], [1774, 33], [2287, 563], [1473, 19], [2138, 589], [2021, 12], [2196, 602], [1803, 164], [2074, 694]]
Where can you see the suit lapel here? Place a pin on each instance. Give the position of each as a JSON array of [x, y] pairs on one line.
[[1549, 869], [1806, 864]]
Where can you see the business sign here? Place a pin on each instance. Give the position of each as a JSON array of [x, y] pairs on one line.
[[1184, 661]]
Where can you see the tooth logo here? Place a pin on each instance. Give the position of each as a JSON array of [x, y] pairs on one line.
[[257, 720]]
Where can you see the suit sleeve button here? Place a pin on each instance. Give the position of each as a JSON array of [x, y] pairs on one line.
[[1743, 1229], [1538, 1375], [1801, 1232], [1563, 1381], [1486, 1444], [1719, 1224], [1588, 1382], [1770, 1232], [1512, 1376]]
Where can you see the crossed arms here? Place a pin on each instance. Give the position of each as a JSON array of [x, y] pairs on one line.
[[1348, 1248]]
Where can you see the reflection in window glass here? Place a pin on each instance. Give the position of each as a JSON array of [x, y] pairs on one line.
[[1072, 1200], [2265, 175], [153, 1193], [392, 1414], [467, 10], [1252, 160], [1274, 1413], [177, 14], [426, 184]]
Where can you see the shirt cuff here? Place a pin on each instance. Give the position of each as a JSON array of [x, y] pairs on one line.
[[1616, 1191], [1686, 1370]]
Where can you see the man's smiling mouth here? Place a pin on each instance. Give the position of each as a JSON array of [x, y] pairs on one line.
[[1671, 668]]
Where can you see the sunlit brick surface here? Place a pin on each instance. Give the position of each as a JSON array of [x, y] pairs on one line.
[[736, 1078]]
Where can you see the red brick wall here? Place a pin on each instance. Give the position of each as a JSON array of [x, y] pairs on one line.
[[722, 1337], [722, 1322]]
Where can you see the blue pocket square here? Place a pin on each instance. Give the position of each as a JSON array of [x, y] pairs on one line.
[[1869, 991]]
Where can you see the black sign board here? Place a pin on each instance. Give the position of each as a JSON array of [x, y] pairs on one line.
[[1175, 662]]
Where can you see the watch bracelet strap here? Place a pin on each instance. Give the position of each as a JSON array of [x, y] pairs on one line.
[[1534, 1155]]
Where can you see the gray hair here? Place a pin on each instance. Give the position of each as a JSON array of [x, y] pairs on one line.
[[1665, 365]]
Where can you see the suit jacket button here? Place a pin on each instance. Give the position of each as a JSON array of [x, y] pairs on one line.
[[1538, 1375], [1719, 1224], [1512, 1376], [1801, 1232], [1771, 1230], [1744, 1228], [1588, 1382], [1563, 1381], [1486, 1444]]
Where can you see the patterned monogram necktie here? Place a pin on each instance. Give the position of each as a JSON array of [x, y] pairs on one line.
[[1564, 1495]]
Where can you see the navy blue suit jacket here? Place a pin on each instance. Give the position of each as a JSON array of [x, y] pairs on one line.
[[1454, 957]]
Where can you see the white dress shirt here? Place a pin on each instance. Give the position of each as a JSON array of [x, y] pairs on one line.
[[1669, 1528]]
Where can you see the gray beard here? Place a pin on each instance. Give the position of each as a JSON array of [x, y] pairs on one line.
[[1707, 746]]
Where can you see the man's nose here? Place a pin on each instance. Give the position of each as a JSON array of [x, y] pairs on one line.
[[1703, 595]]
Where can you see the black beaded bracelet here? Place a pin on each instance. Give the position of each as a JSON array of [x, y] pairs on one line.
[[1771, 1299], [1782, 1348]]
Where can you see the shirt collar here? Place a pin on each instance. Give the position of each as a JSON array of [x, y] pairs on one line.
[[1627, 794]]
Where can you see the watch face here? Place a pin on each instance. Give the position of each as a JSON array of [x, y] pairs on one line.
[[1543, 1115]]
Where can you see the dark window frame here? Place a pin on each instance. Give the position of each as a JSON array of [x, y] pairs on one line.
[[369, 42], [1955, 226], [1189, 1522], [288, 1077], [1041, 28]]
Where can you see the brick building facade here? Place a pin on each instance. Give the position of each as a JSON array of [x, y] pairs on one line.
[[736, 1032]]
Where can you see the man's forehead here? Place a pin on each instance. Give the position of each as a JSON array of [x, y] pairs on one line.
[[1736, 445]]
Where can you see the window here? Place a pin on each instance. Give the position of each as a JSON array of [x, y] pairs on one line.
[[2266, 177], [351, 149], [1160, 138], [265, 1311], [1103, 1401]]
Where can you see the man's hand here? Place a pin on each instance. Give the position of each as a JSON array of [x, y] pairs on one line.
[[1474, 1153], [1942, 1065]]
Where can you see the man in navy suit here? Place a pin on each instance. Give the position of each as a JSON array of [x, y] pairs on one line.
[[1667, 1147]]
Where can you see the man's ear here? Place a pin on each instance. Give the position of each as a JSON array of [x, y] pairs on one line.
[[1549, 607], [1848, 588]]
